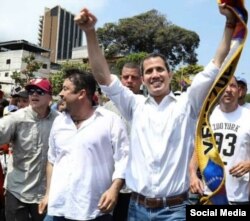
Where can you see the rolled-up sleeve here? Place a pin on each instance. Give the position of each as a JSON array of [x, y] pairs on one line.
[[7, 129]]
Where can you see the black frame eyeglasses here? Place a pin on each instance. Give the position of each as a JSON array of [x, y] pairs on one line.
[[37, 91]]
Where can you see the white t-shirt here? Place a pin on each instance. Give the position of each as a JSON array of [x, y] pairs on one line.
[[232, 134], [246, 105]]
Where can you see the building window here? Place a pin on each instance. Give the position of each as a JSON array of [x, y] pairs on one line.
[[6, 74], [44, 66], [8, 61]]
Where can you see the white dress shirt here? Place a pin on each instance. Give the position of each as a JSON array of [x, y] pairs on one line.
[[162, 135], [85, 162]]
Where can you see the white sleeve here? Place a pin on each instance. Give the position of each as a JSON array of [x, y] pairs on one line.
[[200, 87], [120, 144]]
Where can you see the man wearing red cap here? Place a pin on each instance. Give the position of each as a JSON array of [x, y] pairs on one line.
[[28, 130]]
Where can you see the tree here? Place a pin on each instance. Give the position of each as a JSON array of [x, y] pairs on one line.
[[247, 99], [148, 32], [57, 78], [135, 58], [23, 77], [182, 78]]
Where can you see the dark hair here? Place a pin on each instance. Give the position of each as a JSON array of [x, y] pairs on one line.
[[154, 55], [132, 65], [82, 80], [3, 103]]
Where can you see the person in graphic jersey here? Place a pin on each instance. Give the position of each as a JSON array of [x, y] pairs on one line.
[[232, 134]]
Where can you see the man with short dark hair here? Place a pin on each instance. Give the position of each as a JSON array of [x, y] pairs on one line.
[[87, 157], [28, 131], [162, 126]]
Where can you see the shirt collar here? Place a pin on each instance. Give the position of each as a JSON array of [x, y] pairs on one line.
[[34, 114], [170, 96]]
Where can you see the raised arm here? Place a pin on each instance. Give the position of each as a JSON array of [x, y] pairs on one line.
[[87, 21], [202, 82], [99, 65], [224, 46]]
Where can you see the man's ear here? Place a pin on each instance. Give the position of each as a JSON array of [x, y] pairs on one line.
[[82, 94]]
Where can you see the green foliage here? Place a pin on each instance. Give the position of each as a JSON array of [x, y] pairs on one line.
[[18, 78], [247, 99], [26, 74], [178, 45], [148, 32], [57, 78], [183, 76], [135, 58], [69, 65]]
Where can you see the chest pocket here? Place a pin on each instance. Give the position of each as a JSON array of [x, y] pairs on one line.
[[27, 136]]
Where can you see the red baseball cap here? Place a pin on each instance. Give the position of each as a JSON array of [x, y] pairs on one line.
[[42, 83]]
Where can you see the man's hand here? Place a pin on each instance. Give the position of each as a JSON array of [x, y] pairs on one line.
[[43, 204], [224, 10], [240, 169], [196, 185], [85, 20], [108, 200]]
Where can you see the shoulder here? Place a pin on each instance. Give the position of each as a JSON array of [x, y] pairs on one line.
[[109, 105], [246, 105], [110, 116], [54, 113], [59, 116], [104, 111], [244, 111]]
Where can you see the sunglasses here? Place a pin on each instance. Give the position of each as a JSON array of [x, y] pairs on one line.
[[37, 91]]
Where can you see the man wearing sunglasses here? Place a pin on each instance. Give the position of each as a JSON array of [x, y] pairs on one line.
[[28, 130]]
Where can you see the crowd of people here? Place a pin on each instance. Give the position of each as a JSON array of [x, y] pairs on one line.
[[120, 160]]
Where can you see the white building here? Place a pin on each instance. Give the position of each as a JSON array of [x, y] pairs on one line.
[[11, 60]]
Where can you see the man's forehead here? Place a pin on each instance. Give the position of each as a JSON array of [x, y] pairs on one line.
[[130, 71]]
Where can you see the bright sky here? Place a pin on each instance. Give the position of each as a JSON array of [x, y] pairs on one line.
[[19, 20]]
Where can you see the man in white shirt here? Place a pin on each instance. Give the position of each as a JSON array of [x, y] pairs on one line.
[[87, 157], [131, 78], [162, 126], [229, 122]]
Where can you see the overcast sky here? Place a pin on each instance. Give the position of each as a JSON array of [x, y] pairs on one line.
[[19, 19]]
